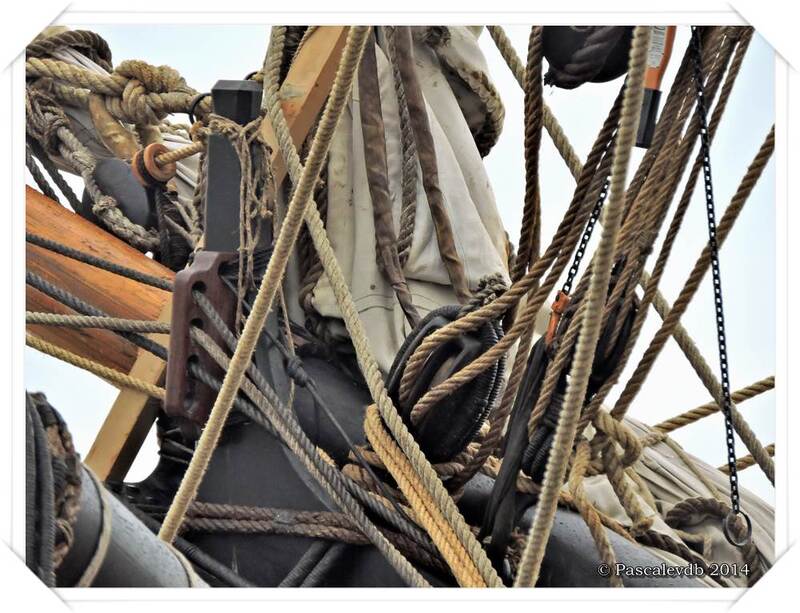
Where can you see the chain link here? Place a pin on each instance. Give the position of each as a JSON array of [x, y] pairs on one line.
[[587, 235], [715, 270]]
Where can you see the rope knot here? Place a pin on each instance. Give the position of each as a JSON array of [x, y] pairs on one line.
[[294, 368], [104, 204], [489, 289], [620, 433], [156, 79], [50, 140]]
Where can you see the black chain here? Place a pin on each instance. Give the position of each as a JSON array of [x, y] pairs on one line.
[[587, 235], [717, 282]]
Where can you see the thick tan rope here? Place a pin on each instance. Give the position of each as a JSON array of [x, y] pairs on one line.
[[366, 360], [426, 511], [180, 154], [592, 308], [588, 511], [340, 91], [114, 376], [693, 415], [91, 321]]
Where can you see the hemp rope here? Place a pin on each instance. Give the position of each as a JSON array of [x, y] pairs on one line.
[[425, 509], [530, 235], [754, 389], [690, 287], [114, 376], [234, 376], [588, 511], [533, 553], [366, 360], [334, 477], [90, 321], [748, 460], [681, 514], [327, 476], [98, 262], [569, 236], [651, 293]]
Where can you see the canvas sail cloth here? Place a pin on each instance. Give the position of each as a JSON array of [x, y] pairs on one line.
[[455, 114], [465, 120]]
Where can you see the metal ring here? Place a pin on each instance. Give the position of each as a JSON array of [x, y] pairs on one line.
[[193, 106], [730, 518]]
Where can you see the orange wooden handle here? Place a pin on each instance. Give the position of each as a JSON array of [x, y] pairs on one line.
[[661, 41]]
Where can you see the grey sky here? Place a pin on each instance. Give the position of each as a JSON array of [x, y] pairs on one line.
[[748, 258]]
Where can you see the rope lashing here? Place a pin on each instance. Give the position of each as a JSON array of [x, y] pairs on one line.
[[136, 92], [48, 124]]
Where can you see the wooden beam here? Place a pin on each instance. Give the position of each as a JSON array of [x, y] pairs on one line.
[[101, 346], [131, 416], [116, 295], [303, 96], [305, 89]]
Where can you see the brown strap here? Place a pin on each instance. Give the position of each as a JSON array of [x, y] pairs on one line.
[[378, 179], [427, 161]]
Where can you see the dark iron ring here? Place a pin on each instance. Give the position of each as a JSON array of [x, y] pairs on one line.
[[193, 106], [728, 522]]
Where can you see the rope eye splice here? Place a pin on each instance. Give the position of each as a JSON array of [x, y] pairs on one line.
[[731, 519]]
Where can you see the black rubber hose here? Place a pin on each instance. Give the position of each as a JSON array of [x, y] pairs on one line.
[[307, 562]]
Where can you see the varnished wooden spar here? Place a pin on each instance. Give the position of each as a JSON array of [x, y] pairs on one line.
[[305, 89], [116, 295], [303, 94], [130, 418]]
